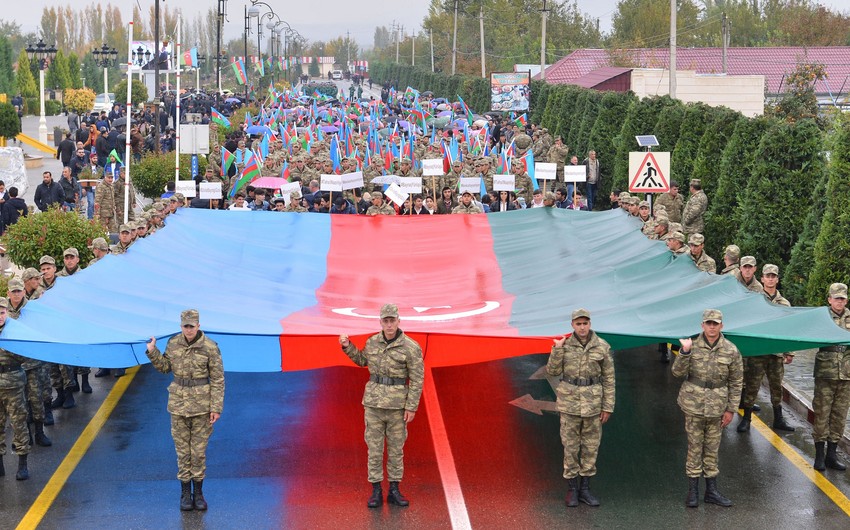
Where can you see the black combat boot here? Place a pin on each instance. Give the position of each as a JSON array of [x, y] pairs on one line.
[[48, 414], [60, 399], [377, 497], [198, 495], [712, 496], [395, 496], [23, 473], [779, 423], [832, 460], [119, 372], [186, 496], [744, 424], [2, 468], [75, 384], [572, 492], [584, 494], [70, 402], [84, 384], [665, 352], [692, 500], [756, 407], [40, 438], [820, 455], [101, 372]]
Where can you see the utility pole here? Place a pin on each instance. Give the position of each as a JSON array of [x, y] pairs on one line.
[[398, 41], [673, 49], [431, 38], [481, 20], [156, 92], [544, 15], [220, 22], [413, 49], [348, 45], [454, 42], [725, 37]]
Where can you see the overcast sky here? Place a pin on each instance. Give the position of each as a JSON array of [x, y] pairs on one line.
[[326, 19]]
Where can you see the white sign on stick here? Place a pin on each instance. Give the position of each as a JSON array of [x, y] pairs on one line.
[[210, 190], [432, 167], [288, 188], [504, 182], [186, 187], [396, 194], [410, 185], [331, 182], [545, 170], [352, 180], [470, 184], [575, 173]]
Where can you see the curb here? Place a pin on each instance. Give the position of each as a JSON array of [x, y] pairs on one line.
[[800, 404]]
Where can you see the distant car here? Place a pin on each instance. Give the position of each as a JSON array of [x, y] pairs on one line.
[[103, 102], [337, 74]]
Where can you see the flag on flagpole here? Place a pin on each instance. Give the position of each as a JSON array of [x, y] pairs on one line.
[[522, 121], [249, 173], [239, 72], [219, 118], [190, 57], [227, 160]]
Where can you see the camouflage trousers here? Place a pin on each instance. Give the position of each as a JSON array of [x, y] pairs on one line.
[[581, 438], [13, 407], [60, 376], [757, 367], [35, 394], [703, 445], [389, 425], [109, 223], [191, 435], [831, 402]]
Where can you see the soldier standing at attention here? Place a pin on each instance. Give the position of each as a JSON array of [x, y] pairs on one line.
[[731, 259], [195, 401], [832, 387], [12, 403], [692, 216], [711, 366], [584, 363], [396, 375]]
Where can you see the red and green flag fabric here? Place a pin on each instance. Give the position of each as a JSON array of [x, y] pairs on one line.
[[219, 118], [487, 302], [466, 109], [227, 160], [239, 71], [521, 121], [249, 173]]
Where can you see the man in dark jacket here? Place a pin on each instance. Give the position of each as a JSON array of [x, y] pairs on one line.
[[48, 193], [13, 208], [65, 150]]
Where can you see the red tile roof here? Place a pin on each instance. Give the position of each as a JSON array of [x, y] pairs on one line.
[[772, 63], [597, 77]]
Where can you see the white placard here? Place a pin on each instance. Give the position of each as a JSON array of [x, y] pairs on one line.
[[186, 187], [410, 185], [386, 179], [545, 170], [288, 188], [352, 180], [575, 173], [396, 194], [210, 190], [331, 182], [432, 167], [470, 184], [504, 182]]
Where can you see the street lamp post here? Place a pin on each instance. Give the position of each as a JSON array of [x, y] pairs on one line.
[[105, 58], [202, 59], [44, 54], [140, 57]]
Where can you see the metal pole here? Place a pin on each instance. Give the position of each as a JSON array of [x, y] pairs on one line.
[[544, 16], [413, 49], [454, 43], [397, 41], [156, 92], [105, 81], [481, 19], [177, 112], [42, 121], [673, 49], [247, 27], [724, 35], [126, 134], [431, 37], [220, 15]]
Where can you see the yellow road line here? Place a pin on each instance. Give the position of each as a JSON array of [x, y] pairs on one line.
[[803, 465], [51, 490]]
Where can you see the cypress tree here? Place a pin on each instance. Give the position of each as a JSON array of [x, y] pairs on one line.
[[694, 124], [24, 80], [711, 147], [591, 111], [667, 127], [609, 122], [571, 139], [795, 277]]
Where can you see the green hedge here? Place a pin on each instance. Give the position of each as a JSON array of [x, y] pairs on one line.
[[50, 233], [155, 171]]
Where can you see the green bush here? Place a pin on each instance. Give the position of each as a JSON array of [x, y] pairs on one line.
[[154, 171], [795, 277], [50, 233], [52, 107], [9, 125], [667, 127], [31, 106], [138, 91]]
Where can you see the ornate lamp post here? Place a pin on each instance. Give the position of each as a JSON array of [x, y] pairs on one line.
[[44, 54], [105, 58]]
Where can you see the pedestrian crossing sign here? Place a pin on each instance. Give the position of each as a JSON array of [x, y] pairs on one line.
[[649, 172]]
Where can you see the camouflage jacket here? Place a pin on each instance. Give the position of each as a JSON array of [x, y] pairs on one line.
[[708, 365], [119, 248], [15, 312], [692, 216], [673, 205], [118, 191], [577, 361], [462, 208], [754, 285], [16, 378], [705, 262], [35, 295], [733, 269], [525, 187], [199, 360], [558, 155], [384, 209], [778, 299], [401, 358], [45, 286], [65, 272], [648, 228], [104, 200], [834, 364]]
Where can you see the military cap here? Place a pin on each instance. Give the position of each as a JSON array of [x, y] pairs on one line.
[[696, 239], [466, 192], [457, 163], [696, 182], [580, 313], [712, 315], [16, 285], [678, 236], [643, 204], [158, 207], [557, 137], [99, 243], [770, 268], [733, 251], [389, 310], [748, 260], [146, 215], [174, 198], [660, 208], [404, 160], [125, 228], [623, 196], [30, 273], [634, 200], [676, 227], [4, 303], [47, 259], [180, 197], [156, 212], [838, 290], [71, 252], [662, 220], [295, 195], [189, 316]]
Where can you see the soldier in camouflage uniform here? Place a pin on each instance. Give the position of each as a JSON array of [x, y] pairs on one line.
[[406, 169], [373, 170], [703, 261], [99, 248], [661, 230], [104, 203], [557, 154], [585, 402], [672, 202], [391, 399], [452, 178], [195, 401], [378, 206], [12, 403], [731, 259], [125, 239], [772, 365], [676, 243], [483, 170], [746, 274], [692, 215], [60, 376], [466, 204], [295, 203], [32, 283], [522, 181], [648, 222], [624, 200], [832, 387], [118, 190], [713, 373], [71, 257]]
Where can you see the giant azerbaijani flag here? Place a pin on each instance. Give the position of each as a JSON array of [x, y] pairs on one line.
[[276, 289]]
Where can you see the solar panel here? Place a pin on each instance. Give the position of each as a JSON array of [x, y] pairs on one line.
[[647, 140]]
